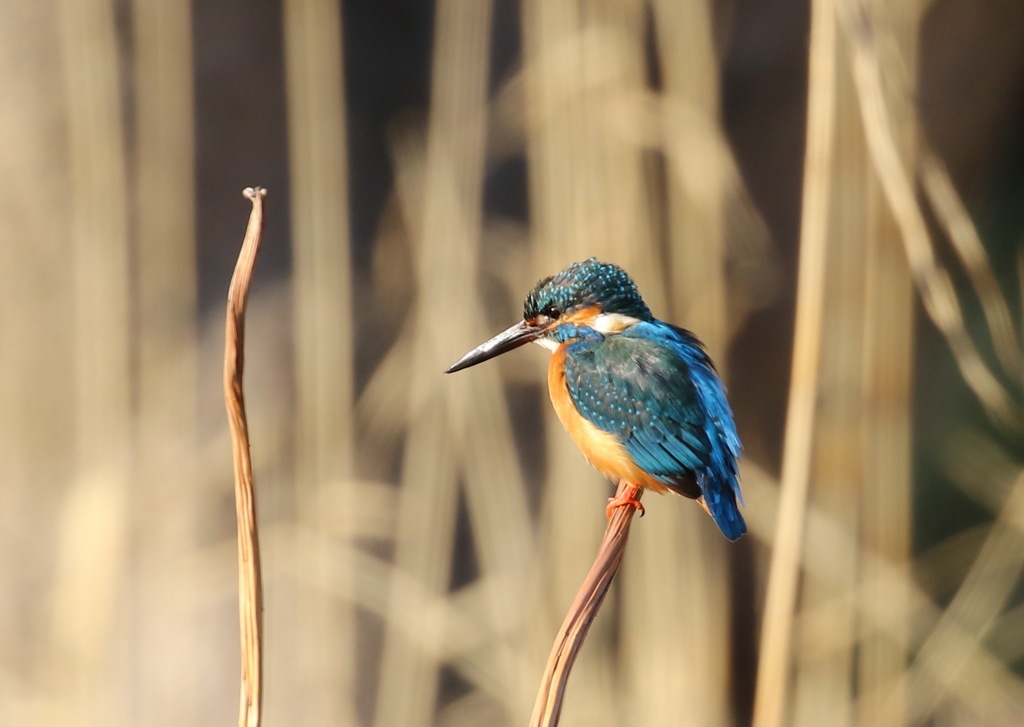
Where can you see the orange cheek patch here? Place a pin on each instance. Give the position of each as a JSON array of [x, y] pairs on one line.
[[583, 317]]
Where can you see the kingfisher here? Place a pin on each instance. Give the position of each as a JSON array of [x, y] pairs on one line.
[[639, 396]]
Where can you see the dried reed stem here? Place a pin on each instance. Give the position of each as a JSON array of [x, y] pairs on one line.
[[934, 285], [776, 635], [548, 706], [324, 349], [250, 590], [952, 214]]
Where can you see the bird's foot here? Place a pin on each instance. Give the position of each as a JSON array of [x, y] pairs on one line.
[[627, 499]]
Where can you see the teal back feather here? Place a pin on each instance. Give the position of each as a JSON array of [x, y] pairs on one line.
[[655, 388]]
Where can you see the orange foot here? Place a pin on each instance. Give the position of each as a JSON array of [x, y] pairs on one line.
[[628, 499]]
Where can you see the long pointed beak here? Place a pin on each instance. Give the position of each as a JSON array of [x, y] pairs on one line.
[[514, 337]]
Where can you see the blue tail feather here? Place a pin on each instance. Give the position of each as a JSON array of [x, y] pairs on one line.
[[722, 505]]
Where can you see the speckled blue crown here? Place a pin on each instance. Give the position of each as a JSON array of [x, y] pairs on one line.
[[590, 282]]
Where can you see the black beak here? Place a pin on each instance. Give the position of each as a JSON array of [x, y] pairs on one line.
[[519, 334]]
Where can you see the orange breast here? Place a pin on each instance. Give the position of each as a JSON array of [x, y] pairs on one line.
[[603, 450]]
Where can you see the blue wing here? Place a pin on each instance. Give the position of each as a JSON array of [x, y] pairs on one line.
[[655, 388]]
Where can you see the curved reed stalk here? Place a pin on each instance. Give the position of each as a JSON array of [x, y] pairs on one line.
[[548, 706], [250, 589]]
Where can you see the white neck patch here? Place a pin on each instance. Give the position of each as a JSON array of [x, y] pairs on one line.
[[548, 343], [613, 322]]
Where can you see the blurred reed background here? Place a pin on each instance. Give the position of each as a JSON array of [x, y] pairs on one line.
[[423, 535]]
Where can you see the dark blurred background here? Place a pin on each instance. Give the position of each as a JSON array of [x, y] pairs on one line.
[[426, 163]]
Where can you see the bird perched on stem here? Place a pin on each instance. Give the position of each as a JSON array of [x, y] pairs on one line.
[[640, 397]]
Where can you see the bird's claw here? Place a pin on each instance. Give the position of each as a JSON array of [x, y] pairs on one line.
[[626, 500]]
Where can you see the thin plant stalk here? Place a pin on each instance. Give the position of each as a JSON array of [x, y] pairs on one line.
[[776, 635], [250, 588], [548, 706]]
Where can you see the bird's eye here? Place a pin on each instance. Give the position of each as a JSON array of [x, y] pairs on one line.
[[552, 311]]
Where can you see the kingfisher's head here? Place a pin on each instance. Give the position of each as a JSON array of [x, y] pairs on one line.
[[591, 285], [585, 295]]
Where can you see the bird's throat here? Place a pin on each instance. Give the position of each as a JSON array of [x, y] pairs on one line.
[[548, 343]]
